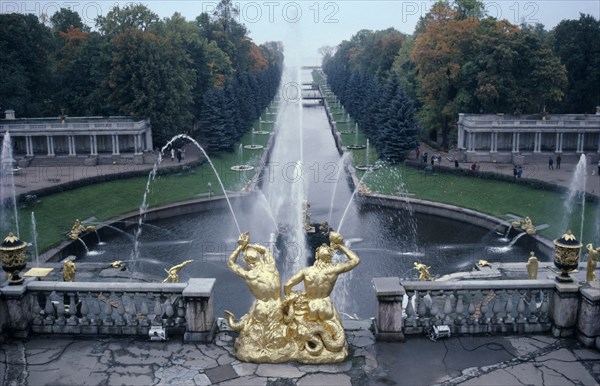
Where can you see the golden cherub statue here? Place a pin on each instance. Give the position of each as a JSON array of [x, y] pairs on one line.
[[526, 225], [69, 270], [592, 261], [173, 272], [423, 272]]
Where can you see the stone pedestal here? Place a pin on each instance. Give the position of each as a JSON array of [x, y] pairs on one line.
[[199, 310], [565, 308], [588, 321], [389, 304], [18, 310]]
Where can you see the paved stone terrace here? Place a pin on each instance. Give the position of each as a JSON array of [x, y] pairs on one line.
[[534, 360]]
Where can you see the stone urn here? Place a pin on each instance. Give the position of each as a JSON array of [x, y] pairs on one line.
[[566, 255], [13, 258]]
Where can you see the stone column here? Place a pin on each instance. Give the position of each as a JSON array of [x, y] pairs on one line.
[[93, 145], [50, 142], [588, 320], [71, 142], [29, 146], [580, 142], [564, 310], [557, 145], [537, 145], [389, 305], [199, 310], [115, 144], [560, 142]]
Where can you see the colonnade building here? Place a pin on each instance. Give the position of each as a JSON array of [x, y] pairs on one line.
[[528, 138], [89, 140]]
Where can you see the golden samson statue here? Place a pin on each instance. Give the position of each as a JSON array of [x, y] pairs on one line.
[[304, 326]]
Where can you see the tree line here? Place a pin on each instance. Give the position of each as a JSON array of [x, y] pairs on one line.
[[205, 77], [460, 61]]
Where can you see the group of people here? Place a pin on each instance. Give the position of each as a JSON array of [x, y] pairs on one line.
[[177, 152], [304, 326], [551, 162], [517, 171]]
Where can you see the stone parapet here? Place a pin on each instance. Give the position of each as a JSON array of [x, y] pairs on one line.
[[389, 304], [588, 318]]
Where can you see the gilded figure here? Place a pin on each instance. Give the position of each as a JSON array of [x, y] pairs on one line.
[[69, 270], [592, 261], [532, 266], [262, 331], [314, 322], [173, 272], [423, 271]]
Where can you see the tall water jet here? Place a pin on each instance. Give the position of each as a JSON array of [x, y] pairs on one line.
[[9, 220], [576, 195], [34, 237]]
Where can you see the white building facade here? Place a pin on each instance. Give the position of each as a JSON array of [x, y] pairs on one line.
[[518, 139], [94, 138]]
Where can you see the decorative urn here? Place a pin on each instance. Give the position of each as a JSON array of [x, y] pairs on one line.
[[566, 255], [13, 257]]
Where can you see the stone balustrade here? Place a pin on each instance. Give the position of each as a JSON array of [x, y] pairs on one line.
[[96, 308], [488, 307]]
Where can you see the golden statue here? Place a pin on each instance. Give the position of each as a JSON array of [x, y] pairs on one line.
[[526, 225], [173, 272], [78, 228], [314, 323], [69, 270], [423, 272], [532, 266], [262, 331], [484, 263], [305, 326], [592, 260]]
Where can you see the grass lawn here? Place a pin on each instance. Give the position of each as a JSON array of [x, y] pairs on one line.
[[497, 198]]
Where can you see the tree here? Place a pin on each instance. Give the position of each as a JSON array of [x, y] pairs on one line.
[[119, 20], [577, 44], [26, 66], [65, 19]]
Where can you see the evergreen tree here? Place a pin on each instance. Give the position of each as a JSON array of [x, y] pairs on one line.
[[399, 131]]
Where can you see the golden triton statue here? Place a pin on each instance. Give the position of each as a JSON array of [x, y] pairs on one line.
[[592, 260], [173, 272], [526, 225], [314, 323], [262, 331], [305, 326], [484, 263], [423, 272]]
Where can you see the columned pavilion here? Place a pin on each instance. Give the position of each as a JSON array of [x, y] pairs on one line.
[[92, 137], [515, 139]]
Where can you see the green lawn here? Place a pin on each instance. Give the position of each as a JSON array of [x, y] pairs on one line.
[[497, 198]]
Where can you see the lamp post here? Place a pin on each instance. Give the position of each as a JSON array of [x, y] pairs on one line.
[[13, 257]]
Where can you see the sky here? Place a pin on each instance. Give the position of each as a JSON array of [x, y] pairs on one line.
[[305, 25]]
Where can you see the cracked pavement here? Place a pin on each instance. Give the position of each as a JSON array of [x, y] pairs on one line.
[[465, 360]]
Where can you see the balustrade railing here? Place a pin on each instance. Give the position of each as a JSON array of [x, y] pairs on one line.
[[106, 308], [500, 306]]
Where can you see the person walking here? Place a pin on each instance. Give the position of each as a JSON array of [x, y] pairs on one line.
[[558, 160], [515, 172], [172, 154], [550, 163]]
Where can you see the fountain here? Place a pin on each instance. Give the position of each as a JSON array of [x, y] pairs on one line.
[[378, 235], [9, 220], [241, 167], [576, 195], [366, 165], [260, 131], [34, 236], [356, 146], [252, 146]]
